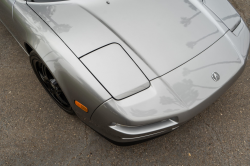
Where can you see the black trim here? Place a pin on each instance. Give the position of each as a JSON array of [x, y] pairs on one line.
[[45, 0]]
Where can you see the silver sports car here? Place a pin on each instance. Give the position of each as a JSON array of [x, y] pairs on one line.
[[131, 69]]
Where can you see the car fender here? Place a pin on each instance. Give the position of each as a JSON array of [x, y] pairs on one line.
[[73, 77]]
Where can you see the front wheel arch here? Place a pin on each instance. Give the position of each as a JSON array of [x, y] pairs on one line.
[[50, 83]]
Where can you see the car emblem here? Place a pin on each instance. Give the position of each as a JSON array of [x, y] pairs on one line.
[[215, 76]]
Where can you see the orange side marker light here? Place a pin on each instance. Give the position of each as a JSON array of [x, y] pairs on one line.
[[81, 106]]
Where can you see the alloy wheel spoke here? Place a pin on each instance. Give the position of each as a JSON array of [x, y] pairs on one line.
[[45, 75], [44, 79]]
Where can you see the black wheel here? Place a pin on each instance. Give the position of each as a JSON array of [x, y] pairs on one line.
[[49, 82]]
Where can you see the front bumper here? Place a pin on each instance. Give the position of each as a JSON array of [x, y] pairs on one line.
[[175, 97]]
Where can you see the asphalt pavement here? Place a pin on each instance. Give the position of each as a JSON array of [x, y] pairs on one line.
[[35, 131]]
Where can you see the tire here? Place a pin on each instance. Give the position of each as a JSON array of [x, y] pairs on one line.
[[49, 82]]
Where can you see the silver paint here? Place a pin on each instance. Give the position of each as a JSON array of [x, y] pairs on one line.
[[182, 93], [140, 130], [75, 80], [115, 70], [81, 31], [225, 11], [176, 46], [163, 36]]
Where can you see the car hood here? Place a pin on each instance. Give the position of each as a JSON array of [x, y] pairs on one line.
[[163, 33]]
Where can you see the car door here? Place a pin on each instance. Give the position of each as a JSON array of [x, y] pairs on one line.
[[6, 9]]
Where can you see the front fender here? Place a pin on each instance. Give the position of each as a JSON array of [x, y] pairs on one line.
[[74, 79]]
